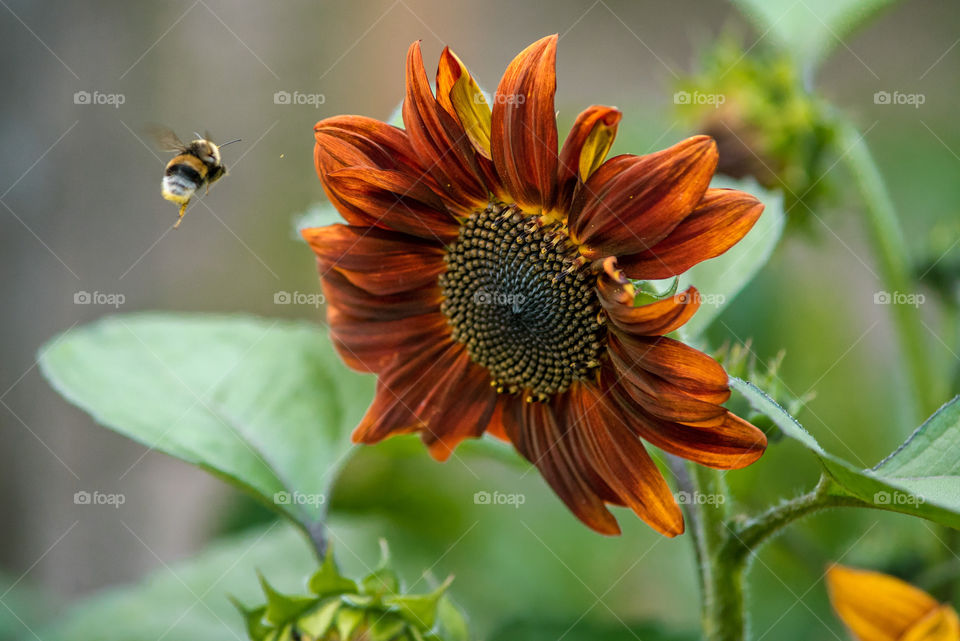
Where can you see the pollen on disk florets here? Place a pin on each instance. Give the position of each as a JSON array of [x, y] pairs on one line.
[[518, 294]]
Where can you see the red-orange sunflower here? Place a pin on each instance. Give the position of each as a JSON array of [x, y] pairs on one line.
[[485, 278]]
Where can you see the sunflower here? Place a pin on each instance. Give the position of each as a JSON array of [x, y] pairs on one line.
[[486, 279], [878, 607]]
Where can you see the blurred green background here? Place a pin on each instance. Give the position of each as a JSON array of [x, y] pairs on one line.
[[81, 212]]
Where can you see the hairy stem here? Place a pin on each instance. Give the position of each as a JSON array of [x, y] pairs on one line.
[[722, 609], [724, 547], [895, 269]]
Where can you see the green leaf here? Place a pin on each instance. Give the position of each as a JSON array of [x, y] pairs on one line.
[[420, 610], [452, 621], [283, 607], [328, 581], [720, 279], [812, 28], [265, 404], [188, 601], [922, 478]]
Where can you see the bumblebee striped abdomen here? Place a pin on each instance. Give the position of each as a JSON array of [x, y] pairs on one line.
[[184, 175]]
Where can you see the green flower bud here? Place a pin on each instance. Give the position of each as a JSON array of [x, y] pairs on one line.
[[340, 609], [765, 121]]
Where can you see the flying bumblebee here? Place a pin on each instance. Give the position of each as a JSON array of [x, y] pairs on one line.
[[197, 164]]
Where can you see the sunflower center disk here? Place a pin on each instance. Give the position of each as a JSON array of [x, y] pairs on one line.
[[518, 295]]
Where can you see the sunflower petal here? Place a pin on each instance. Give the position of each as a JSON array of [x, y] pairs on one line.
[[875, 606], [373, 346], [584, 150], [396, 200], [361, 305], [355, 141], [405, 393], [617, 294], [632, 202], [463, 412], [731, 445], [722, 218], [685, 367], [524, 126], [459, 94], [439, 140], [623, 462], [377, 260], [533, 430], [940, 625]]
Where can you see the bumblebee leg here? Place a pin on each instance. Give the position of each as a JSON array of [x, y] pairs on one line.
[[183, 209]]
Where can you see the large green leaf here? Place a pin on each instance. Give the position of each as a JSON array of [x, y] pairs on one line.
[[720, 280], [922, 478], [265, 404], [189, 601], [809, 28]]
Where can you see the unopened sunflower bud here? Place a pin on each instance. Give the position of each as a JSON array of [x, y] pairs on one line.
[[340, 609], [766, 123]]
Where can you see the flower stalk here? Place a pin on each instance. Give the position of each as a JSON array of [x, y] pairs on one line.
[[891, 251], [724, 546]]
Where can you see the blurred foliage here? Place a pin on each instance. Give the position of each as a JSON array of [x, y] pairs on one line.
[[766, 122], [810, 29]]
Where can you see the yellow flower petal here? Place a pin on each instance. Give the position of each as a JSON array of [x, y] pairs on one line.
[[940, 625], [596, 147], [878, 607], [460, 95]]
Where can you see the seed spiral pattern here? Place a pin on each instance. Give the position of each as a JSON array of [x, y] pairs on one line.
[[518, 294]]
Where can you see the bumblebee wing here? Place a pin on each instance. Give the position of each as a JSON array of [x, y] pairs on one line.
[[165, 139]]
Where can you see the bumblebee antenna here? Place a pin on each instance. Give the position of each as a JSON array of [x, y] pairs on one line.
[[231, 142]]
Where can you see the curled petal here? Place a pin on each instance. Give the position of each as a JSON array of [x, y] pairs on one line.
[[439, 140], [688, 369], [632, 202], [584, 150], [622, 462], [459, 94], [728, 443], [722, 218], [396, 200], [617, 295], [660, 397], [878, 607], [376, 260], [524, 126]]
